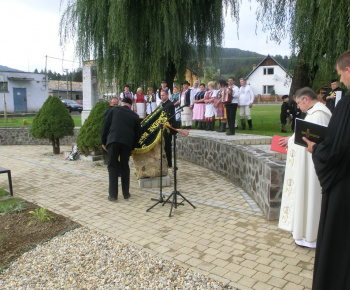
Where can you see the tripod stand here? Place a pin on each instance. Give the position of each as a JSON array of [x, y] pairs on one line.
[[161, 197], [176, 193]]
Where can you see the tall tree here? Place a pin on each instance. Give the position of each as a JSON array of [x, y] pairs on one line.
[[319, 33], [145, 40]]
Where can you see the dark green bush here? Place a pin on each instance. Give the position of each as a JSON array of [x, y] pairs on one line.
[[53, 121], [89, 137]]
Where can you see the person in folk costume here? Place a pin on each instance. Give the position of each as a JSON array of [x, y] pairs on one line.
[[185, 102], [331, 158], [150, 99], [301, 198], [220, 110], [140, 103], [199, 107], [246, 100], [176, 100], [209, 99], [194, 90], [127, 94], [231, 109], [163, 86]]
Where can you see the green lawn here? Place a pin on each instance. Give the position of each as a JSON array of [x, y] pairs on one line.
[[265, 118], [266, 121], [20, 121]]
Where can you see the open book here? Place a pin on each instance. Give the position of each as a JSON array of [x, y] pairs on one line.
[[312, 131]]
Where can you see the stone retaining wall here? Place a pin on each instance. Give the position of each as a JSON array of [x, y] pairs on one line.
[[21, 136], [256, 171]]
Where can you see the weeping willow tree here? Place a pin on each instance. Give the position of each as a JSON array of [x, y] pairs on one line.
[[319, 33], [145, 40]]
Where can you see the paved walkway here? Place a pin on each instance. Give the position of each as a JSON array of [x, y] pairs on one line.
[[225, 237]]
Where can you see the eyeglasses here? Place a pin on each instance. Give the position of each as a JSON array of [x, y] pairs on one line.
[[301, 99]]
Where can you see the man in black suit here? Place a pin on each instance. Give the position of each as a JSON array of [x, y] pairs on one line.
[[169, 108], [121, 130], [114, 102]]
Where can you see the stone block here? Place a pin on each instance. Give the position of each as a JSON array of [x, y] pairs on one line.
[[148, 164], [154, 182]]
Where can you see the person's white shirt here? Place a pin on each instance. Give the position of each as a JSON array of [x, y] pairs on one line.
[[194, 91], [158, 99], [235, 94], [246, 96], [215, 93]]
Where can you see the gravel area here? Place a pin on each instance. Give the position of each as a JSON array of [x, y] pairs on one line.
[[85, 259]]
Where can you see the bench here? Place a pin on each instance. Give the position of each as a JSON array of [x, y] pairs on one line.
[[8, 171]]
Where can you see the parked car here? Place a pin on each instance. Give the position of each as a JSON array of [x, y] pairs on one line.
[[72, 105]]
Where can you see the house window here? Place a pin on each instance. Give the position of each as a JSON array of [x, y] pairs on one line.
[[268, 71], [268, 90], [4, 87]]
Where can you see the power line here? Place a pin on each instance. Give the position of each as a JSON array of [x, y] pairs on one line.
[[62, 59]]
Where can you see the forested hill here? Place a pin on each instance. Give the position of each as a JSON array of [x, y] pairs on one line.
[[232, 62], [239, 63]]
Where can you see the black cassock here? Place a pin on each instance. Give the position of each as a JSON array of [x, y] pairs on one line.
[[332, 163]]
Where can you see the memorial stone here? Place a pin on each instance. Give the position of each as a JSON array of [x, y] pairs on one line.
[[90, 90]]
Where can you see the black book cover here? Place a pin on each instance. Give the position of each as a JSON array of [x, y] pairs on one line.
[[313, 132]]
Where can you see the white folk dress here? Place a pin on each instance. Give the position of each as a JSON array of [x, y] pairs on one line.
[[301, 195]]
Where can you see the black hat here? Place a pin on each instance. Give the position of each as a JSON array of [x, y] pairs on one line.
[[186, 82], [127, 100], [285, 97]]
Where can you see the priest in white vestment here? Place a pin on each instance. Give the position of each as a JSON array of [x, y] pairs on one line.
[[301, 195]]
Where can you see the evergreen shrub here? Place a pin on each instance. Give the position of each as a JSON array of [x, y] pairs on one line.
[[53, 121], [89, 138]]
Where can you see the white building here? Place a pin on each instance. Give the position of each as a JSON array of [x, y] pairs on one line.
[[24, 92], [269, 77]]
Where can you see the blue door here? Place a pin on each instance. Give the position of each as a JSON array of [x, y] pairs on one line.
[[20, 99]]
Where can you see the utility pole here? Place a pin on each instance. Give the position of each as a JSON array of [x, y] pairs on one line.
[[66, 70], [3, 87], [46, 81]]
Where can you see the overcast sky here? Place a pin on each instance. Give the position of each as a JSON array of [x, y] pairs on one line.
[[30, 31]]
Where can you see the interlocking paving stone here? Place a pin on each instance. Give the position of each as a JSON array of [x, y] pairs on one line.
[[226, 236]]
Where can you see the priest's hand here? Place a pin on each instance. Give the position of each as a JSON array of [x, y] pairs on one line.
[[104, 148], [283, 141], [310, 144]]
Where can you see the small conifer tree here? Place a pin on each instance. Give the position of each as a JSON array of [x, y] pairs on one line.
[[89, 137], [53, 121]]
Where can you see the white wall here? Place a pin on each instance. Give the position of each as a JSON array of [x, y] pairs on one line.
[[280, 80], [36, 91]]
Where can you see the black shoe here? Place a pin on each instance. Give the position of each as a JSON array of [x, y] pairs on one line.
[[113, 199], [230, 133], [127, 197]]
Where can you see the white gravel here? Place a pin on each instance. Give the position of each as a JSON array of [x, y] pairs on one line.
[[84, 259]]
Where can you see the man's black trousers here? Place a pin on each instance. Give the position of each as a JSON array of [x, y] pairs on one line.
[[118, 162], [231, 110], [167, 147]]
